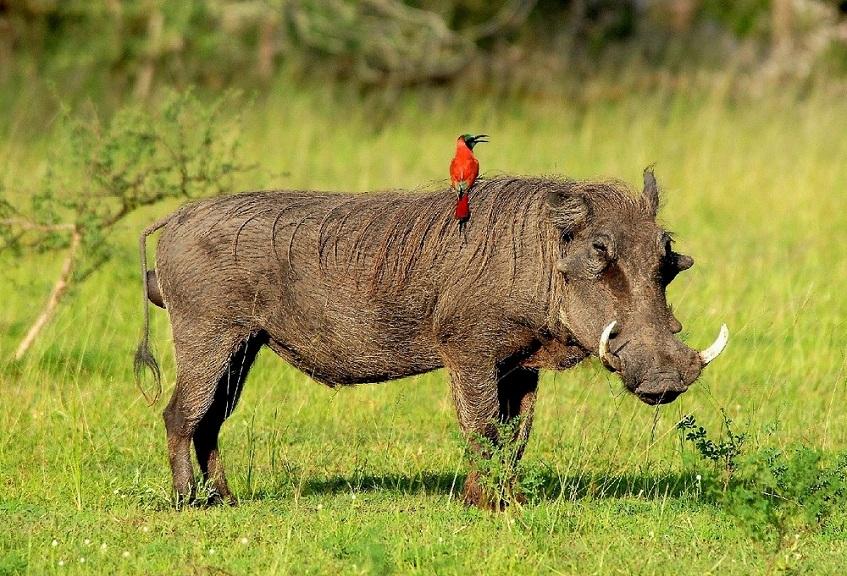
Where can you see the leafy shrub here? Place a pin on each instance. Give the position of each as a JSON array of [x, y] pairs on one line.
[[777, 493], [772, 493], [182, 150], [502, 477]]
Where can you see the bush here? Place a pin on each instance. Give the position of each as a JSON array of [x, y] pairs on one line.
[[772, 493], [183, 150]]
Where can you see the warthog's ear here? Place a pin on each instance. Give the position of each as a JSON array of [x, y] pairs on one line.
[[651, 190], [568, 210]]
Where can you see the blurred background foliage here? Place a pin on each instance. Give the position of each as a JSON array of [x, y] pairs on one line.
[[112, 49]]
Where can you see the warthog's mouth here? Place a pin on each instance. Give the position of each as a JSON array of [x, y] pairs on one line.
[[656, 398]]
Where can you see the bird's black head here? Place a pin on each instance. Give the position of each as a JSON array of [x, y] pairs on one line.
[[471, 140]]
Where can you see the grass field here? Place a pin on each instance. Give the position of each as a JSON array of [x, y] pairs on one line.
[[365, 480]]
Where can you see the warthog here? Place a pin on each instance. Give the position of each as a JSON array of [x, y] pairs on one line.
[[367, 288]]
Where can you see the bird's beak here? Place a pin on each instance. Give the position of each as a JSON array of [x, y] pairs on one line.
[[480, 138]]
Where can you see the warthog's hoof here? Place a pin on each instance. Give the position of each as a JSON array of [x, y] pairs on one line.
[[216, 499], [213, 498], [475, 494]]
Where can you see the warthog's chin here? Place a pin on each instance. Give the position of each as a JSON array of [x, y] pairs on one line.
[[661, 390], [656, 398]]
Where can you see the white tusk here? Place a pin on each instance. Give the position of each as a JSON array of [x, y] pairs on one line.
[[716, 348], [608, 360]]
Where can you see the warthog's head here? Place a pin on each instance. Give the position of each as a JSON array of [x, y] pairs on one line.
[[616, 262]]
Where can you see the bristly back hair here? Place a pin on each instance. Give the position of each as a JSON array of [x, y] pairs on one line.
[[379, 238], [388, 234]]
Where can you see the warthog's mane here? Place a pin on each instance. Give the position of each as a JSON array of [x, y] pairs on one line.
[[381, 237], [396, 232]]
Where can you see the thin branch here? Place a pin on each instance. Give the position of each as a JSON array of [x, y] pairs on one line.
[[511, 15], [59, 289], [35, 226]]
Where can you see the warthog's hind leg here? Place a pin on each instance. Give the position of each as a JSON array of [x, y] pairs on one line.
[[203, 352], [179, 446], [228, 391]]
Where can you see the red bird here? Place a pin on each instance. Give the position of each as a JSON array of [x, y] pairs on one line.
[[464, 169]]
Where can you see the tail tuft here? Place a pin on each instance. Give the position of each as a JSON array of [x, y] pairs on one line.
[[144, 359]]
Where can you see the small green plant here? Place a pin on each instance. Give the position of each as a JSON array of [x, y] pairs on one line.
[[723, 452], [502, 477]]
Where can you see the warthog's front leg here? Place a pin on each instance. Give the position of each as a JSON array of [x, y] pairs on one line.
[[516, 391], [483, 397], [475, 397]]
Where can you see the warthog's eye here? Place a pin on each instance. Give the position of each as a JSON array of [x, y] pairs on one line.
[[602, 253], [588, 259]]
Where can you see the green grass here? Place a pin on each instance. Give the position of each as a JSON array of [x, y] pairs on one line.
[[365, 480]]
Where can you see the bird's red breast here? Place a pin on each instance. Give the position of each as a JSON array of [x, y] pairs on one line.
[[463, 211], [464, 167]]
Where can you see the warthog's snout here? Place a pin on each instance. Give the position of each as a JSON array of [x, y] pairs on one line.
[[659, 372]]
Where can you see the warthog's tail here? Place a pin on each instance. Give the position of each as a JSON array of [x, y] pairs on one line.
[[143, 356]]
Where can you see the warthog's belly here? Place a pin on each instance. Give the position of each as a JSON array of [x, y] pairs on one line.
[[336, 364]]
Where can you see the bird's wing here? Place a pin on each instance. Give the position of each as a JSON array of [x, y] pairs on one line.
[[455, 170]]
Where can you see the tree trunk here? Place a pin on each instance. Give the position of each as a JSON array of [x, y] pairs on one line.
[[267, 47], [144, 79]]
